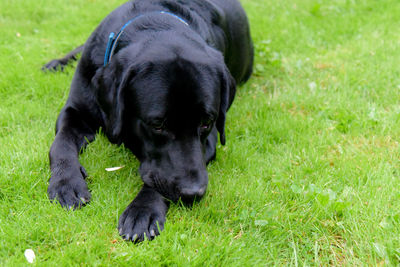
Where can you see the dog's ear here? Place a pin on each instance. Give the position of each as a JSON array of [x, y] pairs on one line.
[[110, 84], [228, 90]]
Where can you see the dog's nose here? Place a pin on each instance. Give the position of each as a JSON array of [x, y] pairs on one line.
[[188, 195]]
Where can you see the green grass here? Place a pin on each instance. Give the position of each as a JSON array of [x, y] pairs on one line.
[[309, 175]]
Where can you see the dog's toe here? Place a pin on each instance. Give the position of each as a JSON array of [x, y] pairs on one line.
[[71, 193]]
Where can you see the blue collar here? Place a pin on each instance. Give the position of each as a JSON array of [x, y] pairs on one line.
[[113, 39]]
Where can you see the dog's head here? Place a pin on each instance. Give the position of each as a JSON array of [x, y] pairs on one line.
[[163, 102]]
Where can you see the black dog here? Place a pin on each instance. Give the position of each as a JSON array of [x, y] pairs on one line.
[[158, 76]]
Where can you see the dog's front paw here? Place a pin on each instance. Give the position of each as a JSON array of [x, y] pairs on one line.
[[143, 219], [70, 190]]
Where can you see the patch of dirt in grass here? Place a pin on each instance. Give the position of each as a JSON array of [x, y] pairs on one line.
[[360, 145], [295, 109]]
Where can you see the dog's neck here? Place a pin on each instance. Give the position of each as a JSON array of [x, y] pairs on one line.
[[113, 39]]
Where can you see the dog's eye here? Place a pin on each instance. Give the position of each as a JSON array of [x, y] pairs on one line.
[[158, 129], [206, 125], [157, 126]]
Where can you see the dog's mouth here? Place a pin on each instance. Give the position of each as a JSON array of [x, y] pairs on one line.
[[188, 198], [169, 192], [173, 192]]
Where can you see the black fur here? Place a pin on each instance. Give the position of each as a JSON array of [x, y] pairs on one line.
[[164, 94]]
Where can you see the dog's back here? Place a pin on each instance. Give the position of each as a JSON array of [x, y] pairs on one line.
[[239, 58]]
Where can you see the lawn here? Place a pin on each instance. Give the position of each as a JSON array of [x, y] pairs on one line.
[[309, 175]]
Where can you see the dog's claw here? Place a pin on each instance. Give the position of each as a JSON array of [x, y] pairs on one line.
[[152, 233], [134, 237]]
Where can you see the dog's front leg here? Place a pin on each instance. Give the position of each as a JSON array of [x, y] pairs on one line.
[[67, 183], [144, 217]]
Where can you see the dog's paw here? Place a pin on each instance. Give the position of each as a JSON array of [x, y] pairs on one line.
[[140, 222], [54, 65], [70, 190]]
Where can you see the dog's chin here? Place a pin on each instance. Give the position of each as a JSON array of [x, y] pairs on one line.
[[186, 200], [189, 202]]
